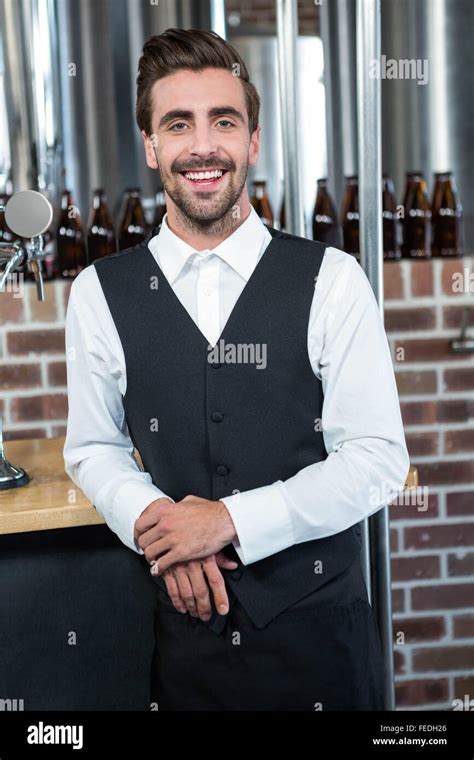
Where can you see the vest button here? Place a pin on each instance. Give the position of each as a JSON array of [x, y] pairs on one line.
[[217, 417], [222, 469], [236, 574]]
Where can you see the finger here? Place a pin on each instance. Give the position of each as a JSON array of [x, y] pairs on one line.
[[200, 590], [225, 562], [149, 516], [216, 582], [173, 592], [185, 591], [161, 550]]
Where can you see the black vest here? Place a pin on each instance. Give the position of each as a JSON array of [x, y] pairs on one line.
[[212, 426]]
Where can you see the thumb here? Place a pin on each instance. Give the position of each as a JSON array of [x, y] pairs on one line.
[[225, 562]]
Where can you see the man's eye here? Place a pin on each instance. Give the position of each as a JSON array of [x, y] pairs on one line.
[[179, 124], [226, 121]]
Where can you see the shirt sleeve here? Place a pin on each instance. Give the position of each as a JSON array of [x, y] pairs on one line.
[[367, 462], [98, 452]]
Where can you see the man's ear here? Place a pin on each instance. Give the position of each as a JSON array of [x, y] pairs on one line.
[[149, 142], [254, 146]]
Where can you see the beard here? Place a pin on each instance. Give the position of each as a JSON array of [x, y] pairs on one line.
[[210, 212]]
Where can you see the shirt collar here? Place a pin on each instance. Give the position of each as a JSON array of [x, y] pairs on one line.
[[240, 250]]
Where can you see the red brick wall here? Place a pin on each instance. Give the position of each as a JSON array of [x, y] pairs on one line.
[[433, 549]]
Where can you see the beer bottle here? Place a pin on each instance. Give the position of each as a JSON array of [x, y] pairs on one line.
[[350, 217], [260, 202], [70, 243], [133, 226], [325, 222], [417, 220], [447, 217], [391, 247], [100, 231], [160, 208]]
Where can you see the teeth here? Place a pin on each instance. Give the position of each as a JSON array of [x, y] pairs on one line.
[[204, 175]]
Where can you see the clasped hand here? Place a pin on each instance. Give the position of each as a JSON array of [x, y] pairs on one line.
[[187, 538]]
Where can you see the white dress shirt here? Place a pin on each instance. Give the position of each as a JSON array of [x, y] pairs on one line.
[[367, 461]]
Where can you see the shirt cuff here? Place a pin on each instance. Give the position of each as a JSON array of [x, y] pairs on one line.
[[262, 521], [127, 505]]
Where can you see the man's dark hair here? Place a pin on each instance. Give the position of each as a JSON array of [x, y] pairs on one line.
[[193, 49]]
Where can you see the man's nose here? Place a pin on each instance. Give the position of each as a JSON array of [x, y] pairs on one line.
[[204, 141]]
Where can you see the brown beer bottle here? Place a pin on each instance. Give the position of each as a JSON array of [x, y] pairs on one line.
[[133, 226], [391, 247], [70, 242], [260, 202], [325, 222], [100, 231], [350, 217], [417, 220], [447, 217], [160, 208]]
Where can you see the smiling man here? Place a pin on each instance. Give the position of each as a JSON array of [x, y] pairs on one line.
[[255, 474]]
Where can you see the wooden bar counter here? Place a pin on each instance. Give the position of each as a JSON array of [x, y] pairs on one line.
[[77, 607]]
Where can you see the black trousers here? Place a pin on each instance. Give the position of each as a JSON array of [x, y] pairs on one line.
[[316, 655]]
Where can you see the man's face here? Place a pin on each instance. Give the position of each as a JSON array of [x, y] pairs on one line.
[[200, 122]]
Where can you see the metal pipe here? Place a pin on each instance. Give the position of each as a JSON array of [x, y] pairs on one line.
[[218, 17], [287, 31], [370, 231]]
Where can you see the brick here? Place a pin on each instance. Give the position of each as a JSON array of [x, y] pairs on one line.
[[432, 412], [460, 503], [446, 472], [14, 376], [439, 536], [415, 508], [448, 596], [57, 373], [11, 306], [35, 341], [453, 317], [416, 382], [393, 540], [419, 628], [421, 318], [422, 691], [451, 268], [443, 658], [392, 280], [43, 311], [17, 435], [458, 440], [47, 407], [399, 662], [461, 563], [426, 350], [423, 444], [463, 685], [414, 568], [398, 600], [421, 278], [463, 627], [459, 379]]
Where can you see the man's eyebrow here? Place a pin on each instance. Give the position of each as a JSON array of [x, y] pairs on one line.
[[216, 111]]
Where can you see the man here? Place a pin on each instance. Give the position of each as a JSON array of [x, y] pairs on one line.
[[251, 370]]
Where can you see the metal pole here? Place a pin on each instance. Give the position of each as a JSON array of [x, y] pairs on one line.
[[370, 225], [287, 32], [218, 17]]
